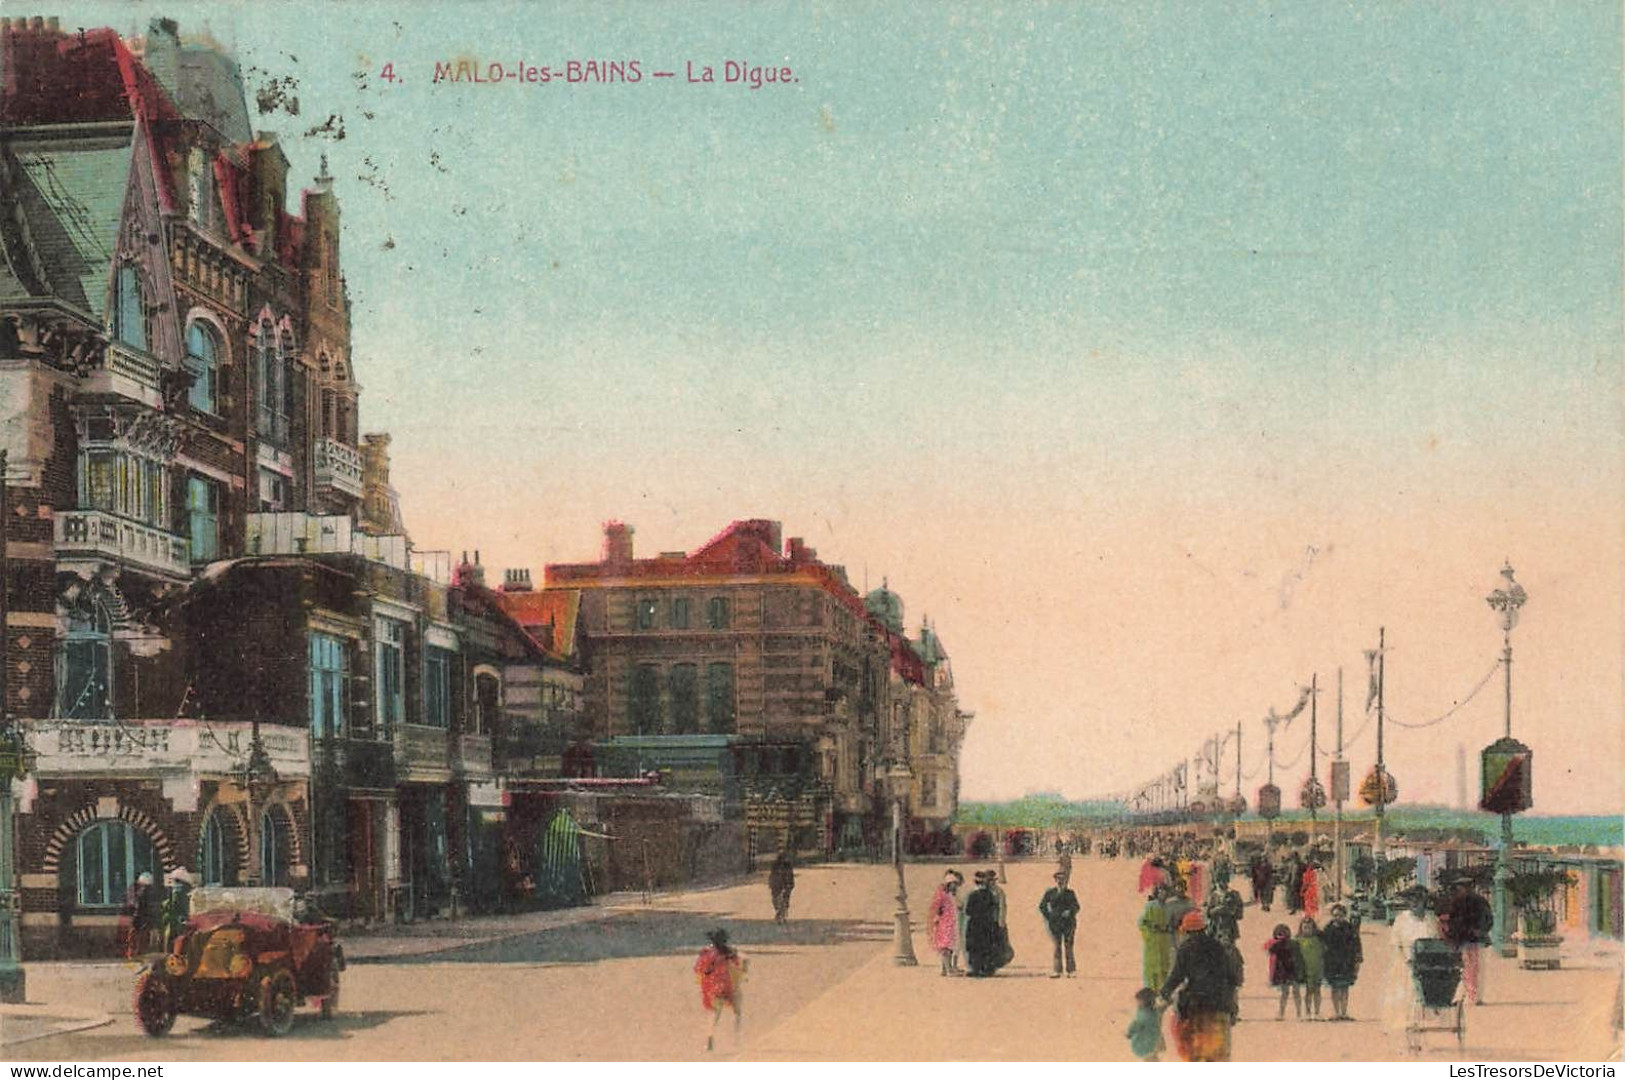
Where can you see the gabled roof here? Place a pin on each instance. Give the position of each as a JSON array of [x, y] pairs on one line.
[[547, 615]]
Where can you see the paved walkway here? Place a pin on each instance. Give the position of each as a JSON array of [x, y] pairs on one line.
[[616, 982]]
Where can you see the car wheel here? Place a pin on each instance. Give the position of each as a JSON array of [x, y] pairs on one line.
[[154, 1003], [330, 1003], [278, 999]]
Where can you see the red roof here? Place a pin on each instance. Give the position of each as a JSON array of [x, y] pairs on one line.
[[745, 547], [547, 615]]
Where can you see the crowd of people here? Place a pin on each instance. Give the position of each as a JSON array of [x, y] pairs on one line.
[[1191, 929]]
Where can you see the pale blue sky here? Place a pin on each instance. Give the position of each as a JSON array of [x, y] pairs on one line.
[[1352, 270]]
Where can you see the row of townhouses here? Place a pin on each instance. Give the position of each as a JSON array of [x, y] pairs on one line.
[[222, 651]]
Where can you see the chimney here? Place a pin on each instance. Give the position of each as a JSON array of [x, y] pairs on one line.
[[516, 581], [617, 543], [799, 553]]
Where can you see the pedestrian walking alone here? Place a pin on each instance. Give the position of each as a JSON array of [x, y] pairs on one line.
[[1340, 942], [944, 916], [1263, 873], [721, 972], [781, 882], [1467, 923], [1060, 910]]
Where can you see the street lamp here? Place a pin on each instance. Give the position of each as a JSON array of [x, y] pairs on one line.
[[258, 779], [1505, 776], [897, 778], [12, 765]]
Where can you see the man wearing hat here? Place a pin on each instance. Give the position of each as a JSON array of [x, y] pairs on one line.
[[1060, 910], [1205, 981], [177, 905]]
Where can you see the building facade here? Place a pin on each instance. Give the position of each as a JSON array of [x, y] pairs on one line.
[[751, 670]]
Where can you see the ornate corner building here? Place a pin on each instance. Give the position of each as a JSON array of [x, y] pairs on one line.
[[752, 671]]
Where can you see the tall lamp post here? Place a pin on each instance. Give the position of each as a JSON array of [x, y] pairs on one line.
[[898, 777], [1505, 777], [258, 779], [12, 766]]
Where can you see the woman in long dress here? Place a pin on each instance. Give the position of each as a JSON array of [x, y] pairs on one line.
[[982, 945], [1409, 927], [1157, 940], [944, 916]]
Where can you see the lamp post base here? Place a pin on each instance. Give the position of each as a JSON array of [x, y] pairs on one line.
[[902, 939]]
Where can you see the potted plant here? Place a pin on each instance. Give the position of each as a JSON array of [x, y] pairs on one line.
[[1533, 895]]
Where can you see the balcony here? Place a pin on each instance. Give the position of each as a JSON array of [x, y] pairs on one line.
[[357, 763], [473, 755], [295, 533], [162, 747], [103, 535], [126, 372], [423, 753], [338, 468]]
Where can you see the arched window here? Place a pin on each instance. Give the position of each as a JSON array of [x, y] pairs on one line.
[[214, 850], [203, 357], [644, 708], [267, 384], [685, 698], [129, 309], [109, 856], [285, 352], [85, 661], [719, 698], [273, 849]]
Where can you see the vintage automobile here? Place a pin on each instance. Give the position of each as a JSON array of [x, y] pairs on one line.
[[243, 955]]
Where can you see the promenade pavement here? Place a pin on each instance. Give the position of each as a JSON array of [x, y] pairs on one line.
[[615, 981]]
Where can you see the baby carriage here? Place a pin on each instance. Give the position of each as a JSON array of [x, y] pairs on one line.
[[1435, 978]]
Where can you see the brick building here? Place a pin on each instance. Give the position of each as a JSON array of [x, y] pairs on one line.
[[174, 359], [750, 670]]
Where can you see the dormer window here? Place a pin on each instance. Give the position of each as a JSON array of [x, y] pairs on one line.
[[129, 309]]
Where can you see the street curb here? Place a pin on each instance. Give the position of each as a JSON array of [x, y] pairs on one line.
[[74, 1027]]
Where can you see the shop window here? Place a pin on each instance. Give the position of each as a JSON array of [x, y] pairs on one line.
[[109, 857]]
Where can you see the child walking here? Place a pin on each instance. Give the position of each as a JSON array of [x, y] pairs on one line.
[[721, 971], [1284, 964], [1311, 965], [1145, 1030]]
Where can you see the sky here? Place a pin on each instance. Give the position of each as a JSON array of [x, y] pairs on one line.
[[1160, 354]]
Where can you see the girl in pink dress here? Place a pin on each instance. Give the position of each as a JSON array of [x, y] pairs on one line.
[[944, 916]]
